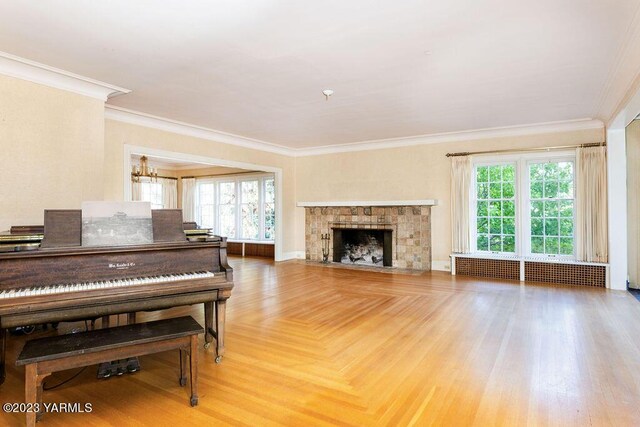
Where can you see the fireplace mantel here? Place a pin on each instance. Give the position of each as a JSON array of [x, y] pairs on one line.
[[426, 202]]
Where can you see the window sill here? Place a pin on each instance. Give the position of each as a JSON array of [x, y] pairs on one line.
[[526, 258], [261, 242]]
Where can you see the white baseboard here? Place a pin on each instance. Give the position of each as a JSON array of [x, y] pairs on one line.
[[441, 265], [292, 255]]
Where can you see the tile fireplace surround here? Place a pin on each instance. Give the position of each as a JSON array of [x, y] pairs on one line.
[[411, 226]]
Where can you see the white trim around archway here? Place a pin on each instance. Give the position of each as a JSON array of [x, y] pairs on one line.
[[173, 155]]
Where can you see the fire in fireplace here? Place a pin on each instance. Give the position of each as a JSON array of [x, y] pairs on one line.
[[362, 246]]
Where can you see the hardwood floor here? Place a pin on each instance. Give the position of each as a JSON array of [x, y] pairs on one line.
[[309, 345]]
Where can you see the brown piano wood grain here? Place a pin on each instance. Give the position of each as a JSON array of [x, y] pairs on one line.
[[167, 225], [48, 267], [62, 228]]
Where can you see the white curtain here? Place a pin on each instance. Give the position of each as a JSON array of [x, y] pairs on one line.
[[461, 172], [136, 191], [188, 199], [169, 193], [591, 204]]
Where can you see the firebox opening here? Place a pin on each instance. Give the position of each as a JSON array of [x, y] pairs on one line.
[[362, 247]]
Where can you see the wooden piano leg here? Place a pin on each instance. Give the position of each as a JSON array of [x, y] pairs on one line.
[[3, 349], [208, 323], [221, 309]]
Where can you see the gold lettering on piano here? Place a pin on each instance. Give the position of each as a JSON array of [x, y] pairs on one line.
[[121, 265]]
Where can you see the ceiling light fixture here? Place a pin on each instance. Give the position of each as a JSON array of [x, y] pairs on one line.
[[327, 93], [143, 170]]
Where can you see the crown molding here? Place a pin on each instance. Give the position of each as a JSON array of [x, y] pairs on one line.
[[35, 72], [143, 119], [498, 132]]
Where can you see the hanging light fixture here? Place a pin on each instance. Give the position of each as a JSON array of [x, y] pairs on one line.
[[143, 170]]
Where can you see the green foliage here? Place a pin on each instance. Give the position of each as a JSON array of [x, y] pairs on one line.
[[550, 190], [536, 172], [482, 174], [495, 226], [508, 173], [482, 191], [537, 245], [551, 227], [495, 173], [565, 208], [483, 209], [495, 209], [565, 170], [537, 227], [566, 246], [509, 225], [495, 243], [550, 171], [537, 209], [509, 209], [482, 242], [495, 190], [508, 191], [550, 208], [551, 245], [536, 190], [566, 227], [509, 244], [482, 225]]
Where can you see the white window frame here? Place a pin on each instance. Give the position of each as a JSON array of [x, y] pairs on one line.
[[236, 180], [152, 184], [522, 199]]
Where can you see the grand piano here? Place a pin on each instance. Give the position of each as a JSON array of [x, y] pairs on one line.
[[61, 281]]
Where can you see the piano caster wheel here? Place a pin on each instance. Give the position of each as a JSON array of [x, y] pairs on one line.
[[183, 382], [218, 359], [207, 345], [194, 401]]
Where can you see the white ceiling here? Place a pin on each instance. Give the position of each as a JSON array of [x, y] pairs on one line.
[[398, 68]]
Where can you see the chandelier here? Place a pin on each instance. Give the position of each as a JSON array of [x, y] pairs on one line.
[[143, 170]]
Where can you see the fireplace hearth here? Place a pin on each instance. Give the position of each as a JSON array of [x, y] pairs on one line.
[[363, 247], [401, 235]]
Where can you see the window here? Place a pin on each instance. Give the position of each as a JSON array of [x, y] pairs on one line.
[[551, 201], [496, 208], [227, 203], [269, 209], [524, 205], [152, 192], [250, 224], [238, 208]]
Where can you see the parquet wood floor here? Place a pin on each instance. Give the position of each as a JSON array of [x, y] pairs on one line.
[[308, 345]]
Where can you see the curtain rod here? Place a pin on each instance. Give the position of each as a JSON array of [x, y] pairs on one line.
[[159, 176], [524, 150], [222, 174]]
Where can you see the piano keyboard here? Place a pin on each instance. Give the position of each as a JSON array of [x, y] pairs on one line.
[[101, 284]]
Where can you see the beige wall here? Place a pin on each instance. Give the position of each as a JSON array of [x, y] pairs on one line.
[[633, 202], [117, 134], [408, 173], [52, 150]]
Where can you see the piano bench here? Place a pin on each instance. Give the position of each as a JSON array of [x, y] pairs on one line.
[[41, 357]]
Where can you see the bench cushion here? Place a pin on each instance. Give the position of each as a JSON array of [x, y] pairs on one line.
[[61, 346]]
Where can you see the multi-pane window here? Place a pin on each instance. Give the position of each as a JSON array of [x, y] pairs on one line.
[[152, 192], [227, 209], [237, 207], [249, 195], [269, 209], [496, 208], [206, 207], [524, 205], [551, 199]]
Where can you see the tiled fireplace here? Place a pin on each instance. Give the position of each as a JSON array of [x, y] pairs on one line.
[[391, 236]]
